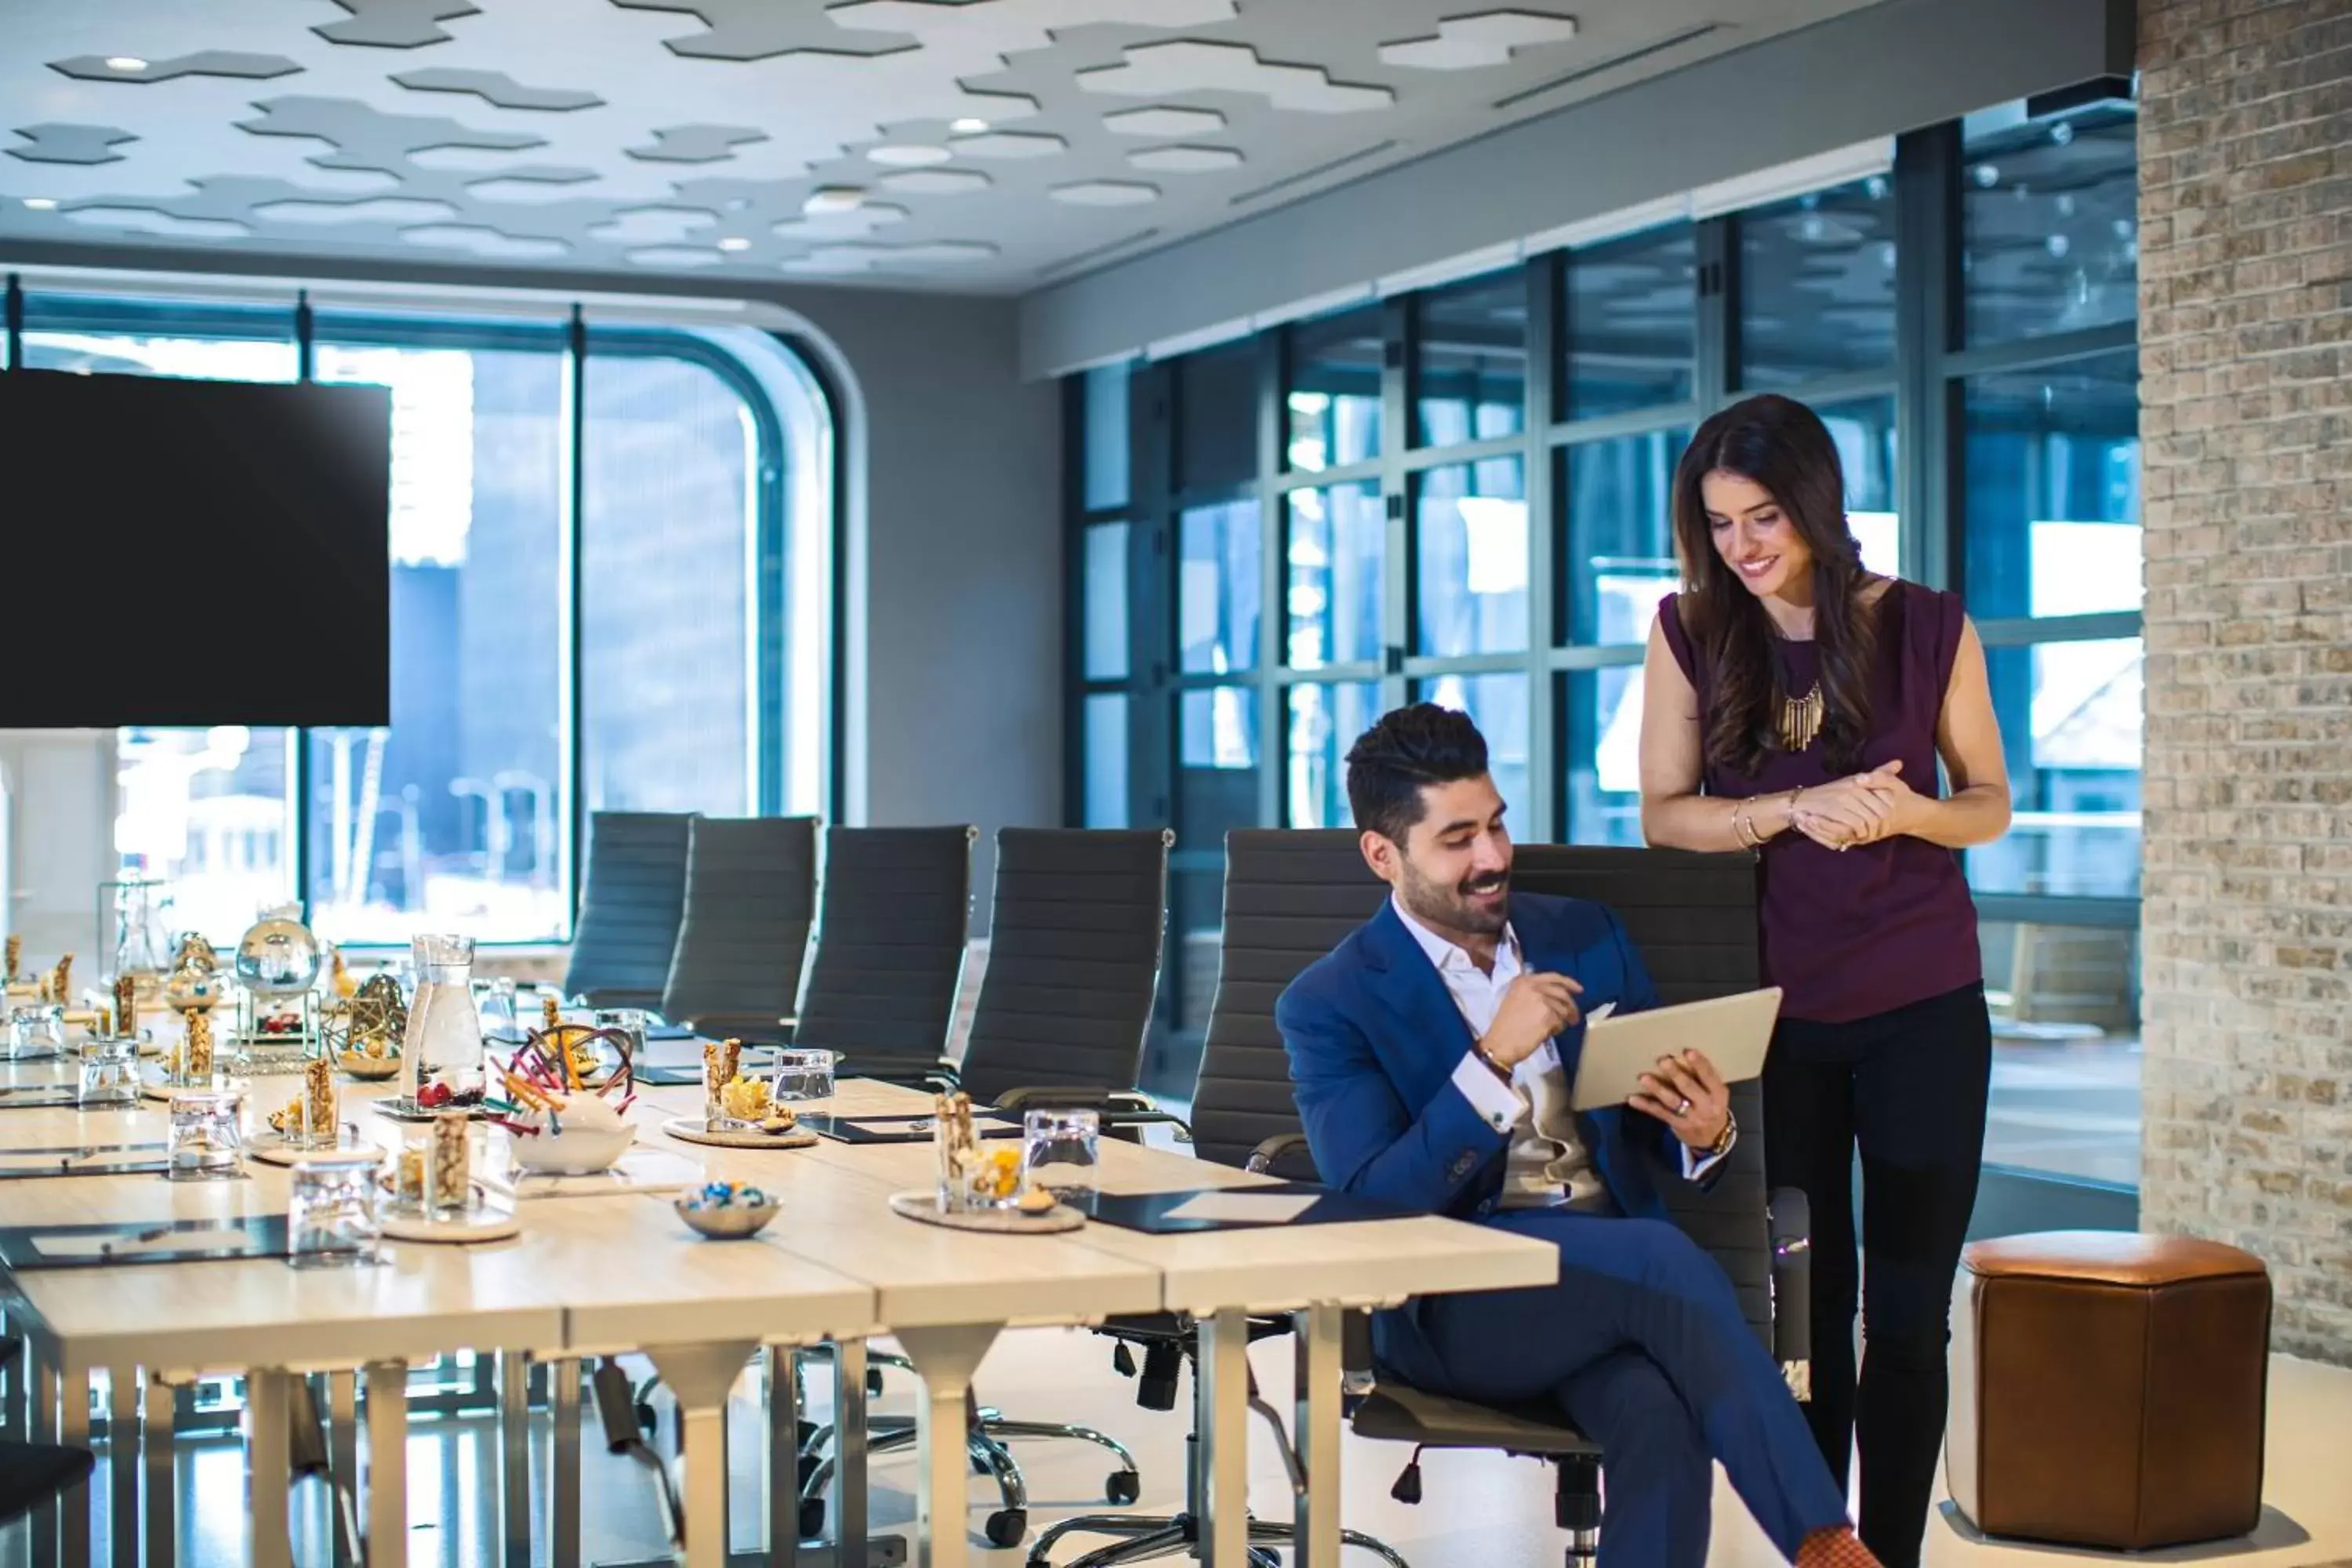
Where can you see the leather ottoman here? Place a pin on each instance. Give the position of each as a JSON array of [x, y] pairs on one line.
[[2107, 1389]]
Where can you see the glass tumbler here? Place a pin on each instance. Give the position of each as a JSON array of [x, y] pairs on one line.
[[110, 1072], [1061, 1149], [35, 1032], [206, 1143], [804, 1074], [330, 1210]]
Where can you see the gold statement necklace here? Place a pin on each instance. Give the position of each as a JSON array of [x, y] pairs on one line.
[[1800, 720]]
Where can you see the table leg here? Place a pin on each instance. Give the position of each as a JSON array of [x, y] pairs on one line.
[[563, 1478], [1314, 1427], [1224, 1374], [700, 1377], [850, 1438], [159, 1461], [343, 1453], [123, 1464], [783, 1456], [73, 1431], [387, 1463], [945, 1358], [514, 1457], [267, 1459]]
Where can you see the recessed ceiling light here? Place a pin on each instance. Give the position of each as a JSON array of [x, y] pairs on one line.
[[833, 199], [734, 242], [41, 203], [967, 126], [903, 156], [125, 63]]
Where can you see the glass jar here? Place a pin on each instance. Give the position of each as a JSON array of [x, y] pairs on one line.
[[35, 1033], [444, 1044], [1061, 1151], [110, 1072], [207, 1143], [330, 1210], [804, 1073]]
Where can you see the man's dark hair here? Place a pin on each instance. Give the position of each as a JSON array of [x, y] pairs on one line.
[[1410, 747]]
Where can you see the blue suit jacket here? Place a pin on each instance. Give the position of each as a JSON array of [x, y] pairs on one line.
[[1374, 1039]]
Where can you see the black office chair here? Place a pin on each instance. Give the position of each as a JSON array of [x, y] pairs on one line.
[[893, 917], [1074, 955], [1289, 898], [631, 899], [751, 896]]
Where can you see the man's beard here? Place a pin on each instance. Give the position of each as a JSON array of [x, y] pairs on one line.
[[1448, 907]]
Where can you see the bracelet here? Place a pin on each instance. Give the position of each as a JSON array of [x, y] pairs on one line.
[[1478, 1050], [1722, 1144], [1742, 829]]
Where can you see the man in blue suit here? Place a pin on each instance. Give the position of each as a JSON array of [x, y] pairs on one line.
[[1433, 1053]]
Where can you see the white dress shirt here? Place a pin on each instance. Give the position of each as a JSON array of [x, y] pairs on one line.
[[1549, 1165]]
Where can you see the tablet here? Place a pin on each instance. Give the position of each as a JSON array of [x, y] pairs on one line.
[[1734, 1032]]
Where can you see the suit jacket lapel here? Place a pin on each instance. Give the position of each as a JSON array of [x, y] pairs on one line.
[[1434, 1035]]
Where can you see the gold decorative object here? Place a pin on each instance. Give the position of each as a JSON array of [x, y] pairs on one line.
[[377, 1009], [1801, 718], [341, 982]]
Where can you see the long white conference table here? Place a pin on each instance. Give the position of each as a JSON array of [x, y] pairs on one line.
[[599, 1276]]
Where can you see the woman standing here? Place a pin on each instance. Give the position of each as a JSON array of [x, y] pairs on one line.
[[1796, 705]]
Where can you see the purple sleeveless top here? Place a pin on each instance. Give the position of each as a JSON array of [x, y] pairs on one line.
[[1849, 934]]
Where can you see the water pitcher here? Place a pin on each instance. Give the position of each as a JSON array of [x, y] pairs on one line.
[[444, 1044]]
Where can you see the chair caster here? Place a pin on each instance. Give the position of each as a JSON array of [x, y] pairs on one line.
[[1007, 1526], [1123, 1488], [812, 1519]]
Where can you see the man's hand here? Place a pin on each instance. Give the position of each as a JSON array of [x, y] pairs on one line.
[[1535, 1008], [1689, 1096]]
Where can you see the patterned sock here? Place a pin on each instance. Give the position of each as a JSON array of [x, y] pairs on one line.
[[1834, 1548]]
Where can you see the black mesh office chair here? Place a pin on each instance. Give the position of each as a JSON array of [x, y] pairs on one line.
[[1075, 942], [893, 917], [631, 899], [1289, 898], [751, 894]]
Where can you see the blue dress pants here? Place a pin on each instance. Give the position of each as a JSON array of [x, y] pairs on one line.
[[1643, 1345]]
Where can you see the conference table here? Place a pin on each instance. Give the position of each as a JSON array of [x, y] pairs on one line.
[[598, 1276]]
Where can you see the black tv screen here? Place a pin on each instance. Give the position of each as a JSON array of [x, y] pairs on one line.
[[194, 552]]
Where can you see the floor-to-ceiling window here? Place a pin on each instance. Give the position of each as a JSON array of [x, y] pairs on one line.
[[1461, 493], [594, 542]]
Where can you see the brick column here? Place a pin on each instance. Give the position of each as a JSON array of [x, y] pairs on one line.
[[2246, 278]]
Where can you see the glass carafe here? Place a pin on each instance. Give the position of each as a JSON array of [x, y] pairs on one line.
[[444, 1044]]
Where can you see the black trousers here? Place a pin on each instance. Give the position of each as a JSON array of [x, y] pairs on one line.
[[1908, 1088]]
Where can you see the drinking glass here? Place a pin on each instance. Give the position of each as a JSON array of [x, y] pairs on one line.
[[1061, 1149], [35, 1032], [110, 1072], [630, 1022], [494, 1004], [330, 1210], [804, 1074], [206, 1143]]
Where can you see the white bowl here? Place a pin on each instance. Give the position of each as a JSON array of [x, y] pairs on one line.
[[593, 1136]]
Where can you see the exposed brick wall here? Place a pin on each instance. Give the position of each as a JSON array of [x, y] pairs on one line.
[[2245, 269]]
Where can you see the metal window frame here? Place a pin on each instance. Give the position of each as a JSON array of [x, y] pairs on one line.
[[302, 327]]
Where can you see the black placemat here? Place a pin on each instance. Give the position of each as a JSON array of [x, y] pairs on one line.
[[1149, 1211], [23, 1247], [901, 1128], [46, 1096], [66, 1165]]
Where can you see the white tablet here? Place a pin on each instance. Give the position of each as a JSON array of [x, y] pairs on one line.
[[1733, 1031]]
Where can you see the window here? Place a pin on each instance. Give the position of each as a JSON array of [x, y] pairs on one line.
[[1217, 593], [1217, 787], [1470, 373], [1498, 704], [1470, 528], [1339, 538], [1105, 760], [2071, 716], [1106, 437], [1629, 311], [2053, 484], [697, 541], [1216, 409], [1324, 722], [1105, 596], [1620, 558], [1817, 284], [2051, 222], [1332, 404]]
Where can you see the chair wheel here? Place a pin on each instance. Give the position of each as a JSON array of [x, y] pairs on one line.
[[1007, 1526], [1123, 1486], [812, 1517]]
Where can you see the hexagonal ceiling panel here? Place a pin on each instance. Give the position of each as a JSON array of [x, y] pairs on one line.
[[992, 142]]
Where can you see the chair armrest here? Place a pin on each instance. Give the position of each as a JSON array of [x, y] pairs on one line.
[[940, 1078], [1268, 1157], [1791, 1220]]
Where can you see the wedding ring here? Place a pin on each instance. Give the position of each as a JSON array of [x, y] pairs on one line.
[[1684, 1109]]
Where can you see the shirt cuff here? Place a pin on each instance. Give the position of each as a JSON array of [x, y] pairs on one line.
[[1500, 1104], [1698, 1163]]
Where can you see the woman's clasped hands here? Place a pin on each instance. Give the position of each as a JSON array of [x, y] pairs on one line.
[[1861, 809]]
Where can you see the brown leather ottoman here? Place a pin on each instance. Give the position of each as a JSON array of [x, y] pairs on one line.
[[2107, 1389]]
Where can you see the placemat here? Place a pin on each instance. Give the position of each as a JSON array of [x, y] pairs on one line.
[[1153, 1211], [690, 1129], [41, 1097], [900, 1129], [114, 1245], [84, 1159], [925, 1206]]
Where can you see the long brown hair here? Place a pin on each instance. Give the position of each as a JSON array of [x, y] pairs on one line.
[[1781, 444]]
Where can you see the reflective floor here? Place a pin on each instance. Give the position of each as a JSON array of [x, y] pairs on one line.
[[1480, 1510]]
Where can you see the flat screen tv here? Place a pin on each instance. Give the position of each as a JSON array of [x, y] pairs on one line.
[[192, 552]]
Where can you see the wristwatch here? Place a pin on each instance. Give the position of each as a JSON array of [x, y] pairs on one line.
[[1724, 1139]]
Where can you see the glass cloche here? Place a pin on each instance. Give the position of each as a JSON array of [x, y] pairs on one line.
[[277, 956]]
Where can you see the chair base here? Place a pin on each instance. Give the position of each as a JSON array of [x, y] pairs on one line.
[[1143, 1539]]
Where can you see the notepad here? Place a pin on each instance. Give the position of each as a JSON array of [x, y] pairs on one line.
[[114, 1244], [1243, 1207]]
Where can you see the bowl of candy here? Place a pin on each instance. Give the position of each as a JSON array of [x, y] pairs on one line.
[[727, 1211]]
